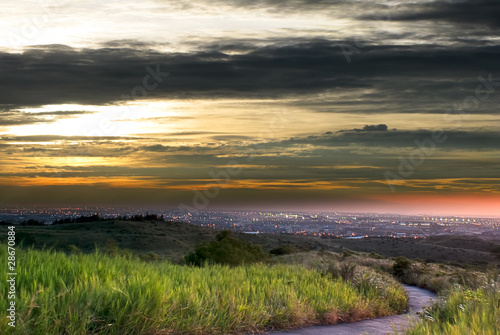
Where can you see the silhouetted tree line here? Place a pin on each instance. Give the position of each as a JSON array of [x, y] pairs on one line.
[[97, 218], [146, 217], [80, 219], [30, 222]]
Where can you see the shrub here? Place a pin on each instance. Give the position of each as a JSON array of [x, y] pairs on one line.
[[284, 250], [343, 270], [401, 266], [226, 250]]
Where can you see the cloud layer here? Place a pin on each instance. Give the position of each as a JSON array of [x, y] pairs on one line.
[[293, 99]]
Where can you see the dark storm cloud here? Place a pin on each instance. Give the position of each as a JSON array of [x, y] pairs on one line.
[[378, 127], [468, 12], [57, 74], [357, 154], [379, 136], [310, 150], [366, 153], [317, 152], [475, 12], [157, 148]]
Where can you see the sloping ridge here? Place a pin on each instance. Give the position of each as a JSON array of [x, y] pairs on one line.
[[418, 298]]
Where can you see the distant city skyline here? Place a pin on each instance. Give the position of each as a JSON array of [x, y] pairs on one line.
[[308, 223], [351, 105], [129, 210]]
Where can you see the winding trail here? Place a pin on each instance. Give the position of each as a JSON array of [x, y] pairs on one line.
[[418, 298]]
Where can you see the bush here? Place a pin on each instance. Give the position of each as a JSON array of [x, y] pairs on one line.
[[284, 250], [226, 250], [344, 270], [401, 266]]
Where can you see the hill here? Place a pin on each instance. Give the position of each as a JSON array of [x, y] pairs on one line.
[[173, 240]]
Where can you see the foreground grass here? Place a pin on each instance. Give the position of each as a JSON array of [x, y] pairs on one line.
[[98, 294], [463, 311], [437, 277], [469, 303]]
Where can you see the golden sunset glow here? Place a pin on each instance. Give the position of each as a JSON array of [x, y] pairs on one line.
[[319, 102]]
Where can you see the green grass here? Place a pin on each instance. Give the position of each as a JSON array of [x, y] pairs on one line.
[[100, 294], [469, 303], [371, 283], [463, 311], [436, 277]]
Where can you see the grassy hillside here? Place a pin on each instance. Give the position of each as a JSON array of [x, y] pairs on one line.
[[314, 280], [463, 311], [469, 303], [173, 240], [98, 294]]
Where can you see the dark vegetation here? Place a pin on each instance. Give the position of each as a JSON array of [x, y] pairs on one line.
[[29, 222], [226, 249], [97, 218], [344, 270], [285, 250], [401, 266], [143, 234]]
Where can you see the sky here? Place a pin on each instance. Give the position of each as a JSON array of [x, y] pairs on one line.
[[340, 105]]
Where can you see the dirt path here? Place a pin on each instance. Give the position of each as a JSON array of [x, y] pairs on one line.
[[418, 298]]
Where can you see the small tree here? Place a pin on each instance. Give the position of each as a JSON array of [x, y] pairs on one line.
[[401, 266], [226, 250]]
